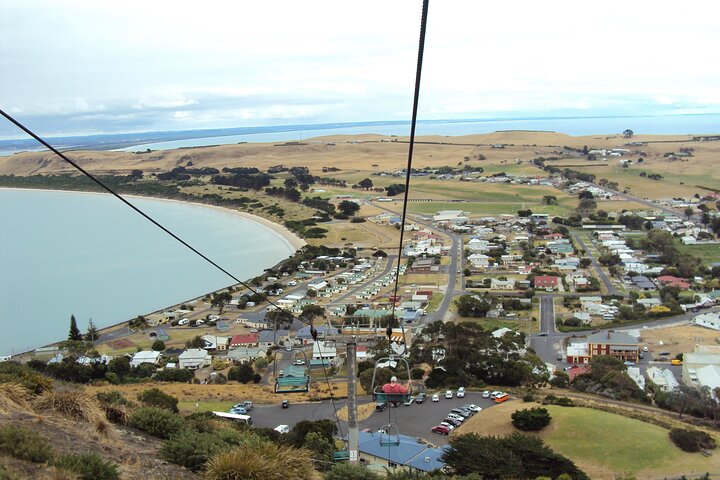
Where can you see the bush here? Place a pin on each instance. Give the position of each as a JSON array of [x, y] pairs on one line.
[[113, 397], [266, 460], [174, 375], [531, 419], [560, 401], [193, 449], [88, 466], [155, 397], [347, 471], [529, 397], [24, 444], [157, 422], [691, 440], [417, 373], [158, 346]]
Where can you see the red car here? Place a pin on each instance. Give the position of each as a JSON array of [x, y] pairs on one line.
[[440, 429]]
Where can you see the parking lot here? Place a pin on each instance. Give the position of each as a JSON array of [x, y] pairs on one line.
[[415, 420]]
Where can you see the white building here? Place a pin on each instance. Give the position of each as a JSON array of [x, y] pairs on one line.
[[145, 356], [663, 378], [194, 358], [708, 320], [634, 373]]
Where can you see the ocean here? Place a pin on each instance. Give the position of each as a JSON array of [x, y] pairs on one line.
[[65, 253], [600, 125]]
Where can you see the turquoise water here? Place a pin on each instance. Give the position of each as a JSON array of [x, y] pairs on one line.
[[89, 255]]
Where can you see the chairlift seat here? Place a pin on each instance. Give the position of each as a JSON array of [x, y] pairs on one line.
[[390, 436]]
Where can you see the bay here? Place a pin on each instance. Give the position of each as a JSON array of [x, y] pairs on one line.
[[64, 253]]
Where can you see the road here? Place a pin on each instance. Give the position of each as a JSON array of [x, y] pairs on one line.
[[415, 420], [598, 268]]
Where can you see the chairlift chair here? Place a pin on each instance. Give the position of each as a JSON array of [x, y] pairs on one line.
[[390, 436], [295, 379], [377, 393]]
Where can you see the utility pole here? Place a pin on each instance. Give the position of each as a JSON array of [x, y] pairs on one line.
[[353, 435]]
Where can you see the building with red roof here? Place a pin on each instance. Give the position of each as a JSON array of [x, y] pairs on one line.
[[247, 340], [546, 281], [671, 281]]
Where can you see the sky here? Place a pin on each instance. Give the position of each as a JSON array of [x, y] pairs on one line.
[[84, 67]]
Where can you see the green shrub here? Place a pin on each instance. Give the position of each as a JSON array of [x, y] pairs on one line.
[[174, 375], [192, 449], [528, 397], [155, 397], [691, 440], [88, 466], [347, 471], [24, 444], [157, 422], [113, 397], [531, 419]]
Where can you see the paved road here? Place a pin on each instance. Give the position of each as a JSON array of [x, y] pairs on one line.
[[415, 420], [598, 268], [352, 291]]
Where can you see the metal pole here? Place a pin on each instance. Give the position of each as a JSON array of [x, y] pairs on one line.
[[353, 433]]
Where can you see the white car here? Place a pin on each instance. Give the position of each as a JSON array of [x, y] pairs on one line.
[[455, 416], [292, 283], [496, 394], [449, 394], [281, 429], [250, 304], [461, 392], [448, 425], [474, 408], [435, 397], [486, 394]]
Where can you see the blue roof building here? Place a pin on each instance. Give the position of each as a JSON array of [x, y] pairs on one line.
[[409, 455]]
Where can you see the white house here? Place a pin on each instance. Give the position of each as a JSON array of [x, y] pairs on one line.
[[663, 378], [194, 358], [145, 356], [496, 284], [636, 376], [323, 350], [708, 320], [478, 260]]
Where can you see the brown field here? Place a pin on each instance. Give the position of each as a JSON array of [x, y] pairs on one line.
[[680, 339]]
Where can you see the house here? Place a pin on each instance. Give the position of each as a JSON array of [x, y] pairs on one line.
[[324, 351], [216, 343], [671, 281], [194, 358], [423, 265], [577, 353], [546, 282], [615, 344], [247, 340], [245, 354], [642, 282], [663, 378], [584, 317], [145, 356], [410, 454], [697, 361], [500, 332], [479, 260], [708, 320], [636, 376], [688, 240], [577, 370], [303, 335], [496, 284], [270, 338]]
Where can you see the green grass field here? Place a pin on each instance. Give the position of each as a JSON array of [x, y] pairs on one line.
[[205, 406], [708, 253], [619, 444]]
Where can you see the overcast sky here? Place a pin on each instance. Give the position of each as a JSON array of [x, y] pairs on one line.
[[93, 66]]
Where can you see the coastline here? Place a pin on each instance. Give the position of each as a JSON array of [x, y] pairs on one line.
[[279, 231]]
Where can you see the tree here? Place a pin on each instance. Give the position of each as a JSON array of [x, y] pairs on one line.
[[92, 332], [74, 330], [321, 447], [158, 346], [395, 189], [220, 300], [365, 183], [531, 419], [628, 133], [689, 212], [120, 366], [379, 254], [290, 183], [550, 200], [196, 342], [243, 373], [348, 208]]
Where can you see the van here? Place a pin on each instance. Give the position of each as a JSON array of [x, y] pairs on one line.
[[502, 398], [282, 429]]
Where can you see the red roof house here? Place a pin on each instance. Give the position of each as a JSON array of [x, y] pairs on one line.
[[670, 281], [576, 370], [545, 281], [247, 340]]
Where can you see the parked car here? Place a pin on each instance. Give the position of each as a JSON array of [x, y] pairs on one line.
[[462, 412], [250, 304], [461, 392], [442, 429], [496, 394], [452, 422], [281, 429], [285, 404], [435, 397], [486, 394], [381, 407], [420, 397], [292, 283], [409, 401], [473, 408], [238, 410], [542, 334], [449, 394], [248, 404], [450, 426], [645, 349], [457, 417]]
